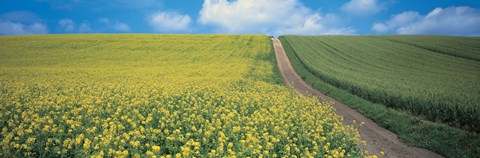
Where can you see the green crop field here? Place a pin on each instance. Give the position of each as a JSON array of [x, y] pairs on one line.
[[158, 95], [432, 82], [463, 47], [402, 73]]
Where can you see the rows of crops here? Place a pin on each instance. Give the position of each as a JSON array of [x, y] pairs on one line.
[[463, 47], [157, 95], [392, 70]]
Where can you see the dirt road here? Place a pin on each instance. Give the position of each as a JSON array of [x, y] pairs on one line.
[[378, 139]]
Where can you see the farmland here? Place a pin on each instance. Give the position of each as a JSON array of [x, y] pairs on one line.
[[157, 95], [463, 47], [426, 89], [438, 86]]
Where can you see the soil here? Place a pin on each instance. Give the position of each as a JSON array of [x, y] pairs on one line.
[[378, 139]]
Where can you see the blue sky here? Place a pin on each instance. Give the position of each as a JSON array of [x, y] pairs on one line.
[[275, 17]]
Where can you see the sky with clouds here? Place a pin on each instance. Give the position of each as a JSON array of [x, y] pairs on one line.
[[274, 17]]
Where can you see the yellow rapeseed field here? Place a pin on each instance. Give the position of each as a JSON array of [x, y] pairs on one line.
[[157, 96]]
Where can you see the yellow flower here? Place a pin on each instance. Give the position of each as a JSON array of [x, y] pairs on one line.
[[135, 144], [31, 140], [137, 155], [156, 148], [234, 89], [119, 153], [149, 153], [86, 144]]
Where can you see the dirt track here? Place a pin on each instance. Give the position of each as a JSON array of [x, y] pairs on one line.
[[378, 139]]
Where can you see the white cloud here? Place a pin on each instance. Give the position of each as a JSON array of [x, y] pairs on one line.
[[167, 21], [363, 7], [267, 16], [119, 26], [451, 21], [85, 27], [21, 22], [13, 28], [397, 21], [102, 25], [66, 25], [116, 25], [104, 20]]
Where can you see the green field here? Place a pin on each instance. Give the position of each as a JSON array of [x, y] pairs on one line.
[[437, 78], [411, 127], [463, 47], [155, 96]]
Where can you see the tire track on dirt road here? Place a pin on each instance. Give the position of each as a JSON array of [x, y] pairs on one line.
[[378, 139]]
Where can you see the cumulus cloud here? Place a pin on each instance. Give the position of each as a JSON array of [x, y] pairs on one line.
[[66, 25], [363, 7], [267, 16], [450, 21], [119, 26], [168, 21], [397, 21], [21, 22], [101, 25], [116, 25], [85, 27], [13, 28]]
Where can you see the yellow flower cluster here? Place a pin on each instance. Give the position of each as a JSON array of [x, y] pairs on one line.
[[157, 96]]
